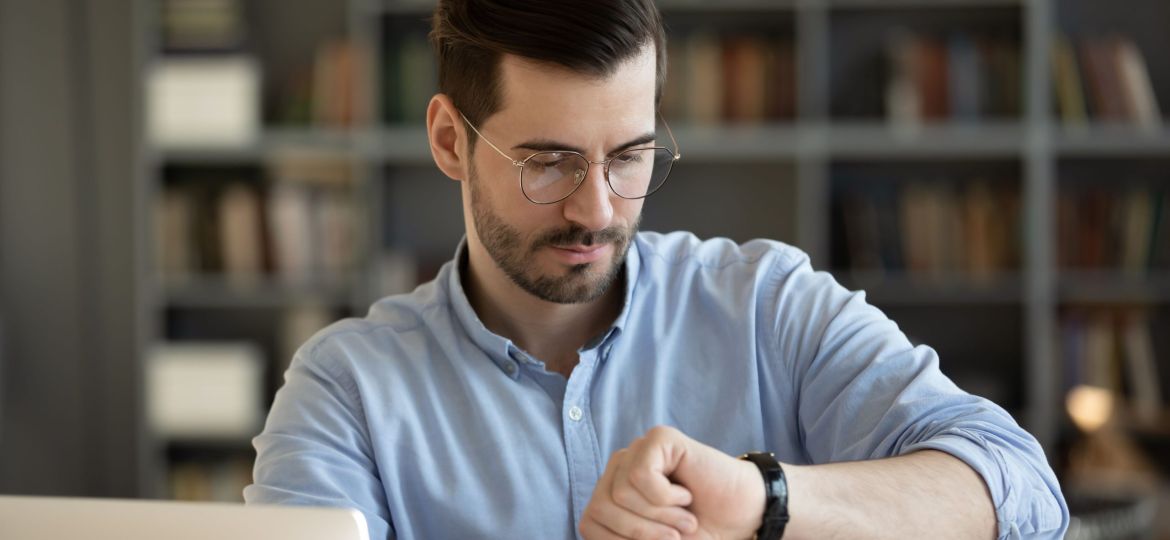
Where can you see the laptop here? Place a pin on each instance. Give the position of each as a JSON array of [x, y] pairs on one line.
[[44, 518]]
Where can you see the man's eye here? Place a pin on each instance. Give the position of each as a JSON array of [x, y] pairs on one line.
[[630, 157], [551, 159]]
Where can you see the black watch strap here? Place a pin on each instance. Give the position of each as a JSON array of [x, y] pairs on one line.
[[775, 495]]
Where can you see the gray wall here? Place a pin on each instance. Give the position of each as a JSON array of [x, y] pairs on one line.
[[68, 363]]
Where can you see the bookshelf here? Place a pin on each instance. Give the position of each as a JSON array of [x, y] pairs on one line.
[[785, 169]]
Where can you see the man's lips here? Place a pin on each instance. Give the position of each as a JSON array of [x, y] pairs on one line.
[[581, 254]]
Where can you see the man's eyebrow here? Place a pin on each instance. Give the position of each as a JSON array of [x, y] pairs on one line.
[[549, 145]]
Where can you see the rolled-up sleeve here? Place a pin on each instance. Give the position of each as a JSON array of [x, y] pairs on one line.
[[315, 448], [865, 392]]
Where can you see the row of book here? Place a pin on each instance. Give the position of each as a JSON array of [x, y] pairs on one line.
[[734, 78], [332, 91], [959, 77], [1105, 79], [302, 227], [929, 229], [1113, 349], [1114, 229]]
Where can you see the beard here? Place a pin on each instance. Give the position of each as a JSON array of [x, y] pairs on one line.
[[507, 247]]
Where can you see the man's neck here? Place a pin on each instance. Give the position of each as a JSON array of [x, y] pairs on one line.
[[550, 331]]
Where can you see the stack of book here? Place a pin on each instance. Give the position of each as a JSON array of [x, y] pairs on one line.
[[957, 78], [1114, 229], [730, 79], [930, 229], [1104, 79]]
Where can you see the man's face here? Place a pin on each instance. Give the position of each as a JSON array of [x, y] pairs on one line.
[[571, 251]]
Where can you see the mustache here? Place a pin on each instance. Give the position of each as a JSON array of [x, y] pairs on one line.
[[577, 235]]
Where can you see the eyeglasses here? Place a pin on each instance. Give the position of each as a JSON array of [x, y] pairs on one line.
[[551, 177]]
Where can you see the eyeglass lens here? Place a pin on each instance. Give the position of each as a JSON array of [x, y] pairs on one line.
[[551, 176]]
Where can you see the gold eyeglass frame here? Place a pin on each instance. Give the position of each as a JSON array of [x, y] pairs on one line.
[[675, 156]]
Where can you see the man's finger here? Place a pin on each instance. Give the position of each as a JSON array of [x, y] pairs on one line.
[[668, 509], [625, 524]]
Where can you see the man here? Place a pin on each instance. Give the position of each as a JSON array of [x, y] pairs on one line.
[[566, 375]]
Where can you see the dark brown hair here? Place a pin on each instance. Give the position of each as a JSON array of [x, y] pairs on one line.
[[590, 37]]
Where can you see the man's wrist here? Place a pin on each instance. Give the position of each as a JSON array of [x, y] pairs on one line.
[[756, 500], [774, 516]]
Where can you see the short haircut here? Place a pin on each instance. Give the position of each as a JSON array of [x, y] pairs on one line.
[[591, 37]]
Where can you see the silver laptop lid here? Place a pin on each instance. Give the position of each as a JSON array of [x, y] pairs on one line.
[[44, 518]]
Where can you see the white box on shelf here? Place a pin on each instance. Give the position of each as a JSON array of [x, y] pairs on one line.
[[209, 102], [204, 389]]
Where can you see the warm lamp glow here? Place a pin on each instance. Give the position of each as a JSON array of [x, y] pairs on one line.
[[1089, 407]]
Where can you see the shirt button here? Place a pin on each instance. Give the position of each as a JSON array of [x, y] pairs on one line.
[[575, 413], [510, 368]]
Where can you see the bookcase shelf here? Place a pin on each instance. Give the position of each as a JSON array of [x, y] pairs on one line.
[[272, 141], [1095, 287], [952, 290], [1112, 141], [784, 174], [226, 292], [879, 141]]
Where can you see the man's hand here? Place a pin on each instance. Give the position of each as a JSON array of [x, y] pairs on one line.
[[667, 485]]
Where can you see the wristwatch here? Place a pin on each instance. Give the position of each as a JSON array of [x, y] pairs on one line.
[[775, 495]]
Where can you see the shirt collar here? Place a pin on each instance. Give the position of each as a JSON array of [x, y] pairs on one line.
[[505, 354]]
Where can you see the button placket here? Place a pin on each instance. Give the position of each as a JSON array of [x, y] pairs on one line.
[[584, 462]]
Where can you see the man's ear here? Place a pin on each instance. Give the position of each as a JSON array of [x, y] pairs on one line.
[[447, 135]]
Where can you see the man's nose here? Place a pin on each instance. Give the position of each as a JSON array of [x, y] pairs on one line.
[[590, 206]]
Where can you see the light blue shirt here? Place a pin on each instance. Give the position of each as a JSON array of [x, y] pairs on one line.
[[434, 427]]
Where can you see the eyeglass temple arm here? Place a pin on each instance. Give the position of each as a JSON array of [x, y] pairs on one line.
[[485, 139], [677, 155]]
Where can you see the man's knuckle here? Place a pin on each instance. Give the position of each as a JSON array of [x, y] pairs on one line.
[[660, 432], [624, 496]]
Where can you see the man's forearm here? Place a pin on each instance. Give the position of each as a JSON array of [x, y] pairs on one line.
[[926, 494]]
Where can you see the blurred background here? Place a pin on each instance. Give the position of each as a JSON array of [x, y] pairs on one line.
[[191, 188]]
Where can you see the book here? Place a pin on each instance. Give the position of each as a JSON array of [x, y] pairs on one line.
[[1070, 97], [1099, 364], [744, 72], [1104, 83], [1137, 220], [979, 213], [1137, 90], [339, 96], [674, 93], [704, 87], [862, 232], [932, 79], [1141, 369], [780, 81], [903, 93], [175, 253], [290, 220], [913, 213], [1160, 238], [418, 79], [241, 234], [964, 82]]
